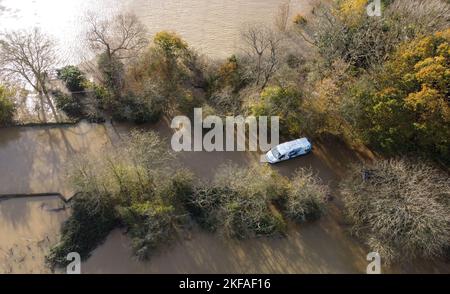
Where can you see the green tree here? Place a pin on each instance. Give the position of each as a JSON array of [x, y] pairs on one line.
[[7, 107], [163, 77], [283, 102]]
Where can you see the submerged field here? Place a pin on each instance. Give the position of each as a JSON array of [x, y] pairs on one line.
[[32, 224]]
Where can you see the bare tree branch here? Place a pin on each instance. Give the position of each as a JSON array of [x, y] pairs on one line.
[[30, 56], [121, 37]]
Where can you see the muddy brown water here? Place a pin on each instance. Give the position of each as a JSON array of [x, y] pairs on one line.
[[210, 26], [32, 160]]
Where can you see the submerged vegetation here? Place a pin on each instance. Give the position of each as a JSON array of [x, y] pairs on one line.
[[130, 186], [239, 202], [381, 82], [400, 208], [138, 186]]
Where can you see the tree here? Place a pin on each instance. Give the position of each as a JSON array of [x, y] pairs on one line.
[[408, 108], [263, 47], [6, 106], [344, 31], [120, 37], [163, 76], [400, 208], [29, 55], [283, 102], [116, 39], [173, 50]]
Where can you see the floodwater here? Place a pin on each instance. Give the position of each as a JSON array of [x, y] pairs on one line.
[[28, 228], [210, 26], [32, 160]]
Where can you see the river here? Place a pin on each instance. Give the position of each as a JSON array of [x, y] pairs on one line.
[[210, 26], [33, 161]]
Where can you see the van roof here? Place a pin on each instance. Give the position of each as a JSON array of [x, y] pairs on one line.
[[296, 144]]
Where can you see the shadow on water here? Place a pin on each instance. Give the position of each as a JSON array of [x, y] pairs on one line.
[[28, 226], [33, 160]]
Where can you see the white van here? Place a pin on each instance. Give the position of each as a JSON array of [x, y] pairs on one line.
[[289, 150]]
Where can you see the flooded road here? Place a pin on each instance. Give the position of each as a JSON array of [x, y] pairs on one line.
[[33, 160], [210, 26]]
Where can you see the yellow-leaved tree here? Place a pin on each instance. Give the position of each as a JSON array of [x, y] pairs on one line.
[[411, 109]]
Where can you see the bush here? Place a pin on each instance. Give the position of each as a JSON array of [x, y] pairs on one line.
[[112, 71], [73, 77], [7, 108], [305, 200], [138, 109], [226, 102], [93, 217], [401, 209], [149, 225], [68, 103], [231, 74], [101, 97], [285, 103], [239, 203], [163, 79], [133, 186]]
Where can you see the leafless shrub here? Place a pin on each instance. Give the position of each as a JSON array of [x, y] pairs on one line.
[[414, 17], [306, 197], [400, 208]]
